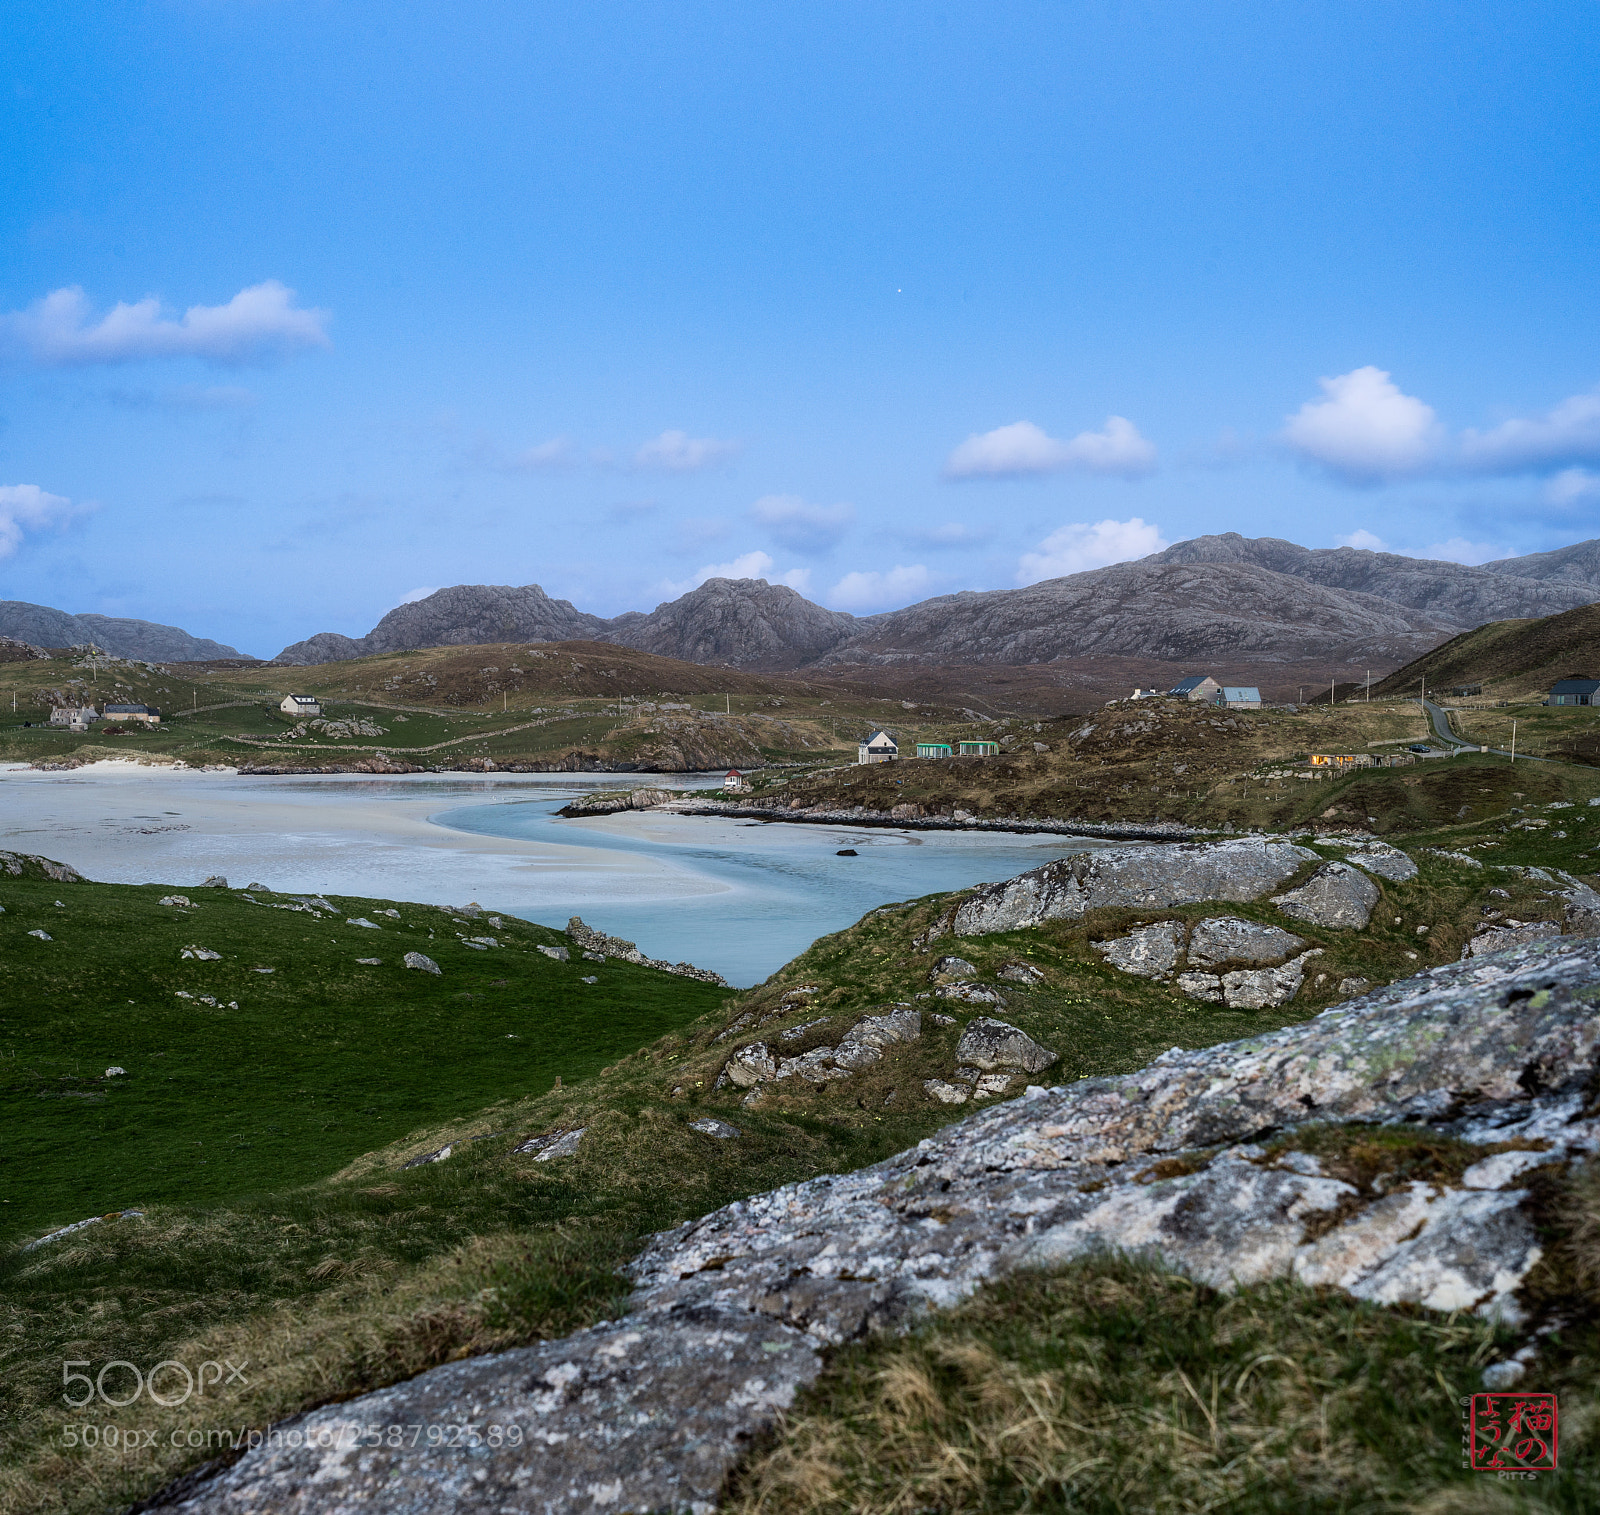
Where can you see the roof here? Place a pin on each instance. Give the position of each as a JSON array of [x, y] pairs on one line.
[[882, 737], [1184, 686], [128, 709], [305, 699], [1575, 686], [1240, 692]]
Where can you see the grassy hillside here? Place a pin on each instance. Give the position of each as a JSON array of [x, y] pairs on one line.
[[283, 1226], [1511, 659]]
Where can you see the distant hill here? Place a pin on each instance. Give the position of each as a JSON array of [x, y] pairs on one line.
[[1259, 601], [147, 641], [1515, 658]]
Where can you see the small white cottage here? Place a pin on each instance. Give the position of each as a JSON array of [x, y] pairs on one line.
[[301, 707], [880, 747]]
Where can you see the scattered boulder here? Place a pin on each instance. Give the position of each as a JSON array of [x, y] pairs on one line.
[[202, 954], [175, 899], [749, 1066], [560, 954], [437, 1156], [1507, 935], [951, 968], [1140, 878], [717, 1128], [971, 994], [1021, 973], [1206, 987], [554, 1144], [361, 920], [116, 1073], [1227, 939], [1337, 896], [992, 1045], [1385, 861], [1348, 986], [1265, 988], [369, 962], [44, 936], [1149, 951], [216, 881], [948, 1094], [421, 962]]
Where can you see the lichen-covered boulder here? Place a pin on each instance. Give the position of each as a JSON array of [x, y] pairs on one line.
[[748, 1067], [949, 968], [1020, 973], [1265, 988], [1499, 938], [991, 1045], [1148, 951], [1337, 896], [1154, 876], [1227, 939], [1385, 861]]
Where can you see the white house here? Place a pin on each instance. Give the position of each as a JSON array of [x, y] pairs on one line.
[[880, 747], [303, 707], [74, 717]]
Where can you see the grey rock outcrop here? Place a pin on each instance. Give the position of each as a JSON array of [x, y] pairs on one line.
[[1148, 951], [993, 1046], [1227, 939], [1501, 937], [730, 1313], [755, 1064], [1148, 877], [1020, 973], [1337, 895], [598, 944], [949, 969], [1385, 861], [422, 962]]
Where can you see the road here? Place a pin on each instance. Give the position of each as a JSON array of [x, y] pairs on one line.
[[1439, 718]]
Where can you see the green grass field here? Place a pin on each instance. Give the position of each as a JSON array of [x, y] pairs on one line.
[[324, 1058]]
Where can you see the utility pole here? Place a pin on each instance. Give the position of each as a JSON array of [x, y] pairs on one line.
[[1333, 684], [1369, 686], [727, 704], [1302, 698], [1513, 741]]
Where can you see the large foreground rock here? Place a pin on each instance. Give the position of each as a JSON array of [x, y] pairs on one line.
[[731, 1312], [1147, 877]]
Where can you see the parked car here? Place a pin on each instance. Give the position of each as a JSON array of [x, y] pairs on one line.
[[1420, 747]]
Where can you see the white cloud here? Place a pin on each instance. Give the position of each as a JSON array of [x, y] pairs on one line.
[[1363, 540], [801, 527], [547, 457], [952, 534], [26, 507], [678, 452], [876, 591], [1023, 450], [1569, 434], [411, 596], [748, 565], [1573, 486], [1459, 550], [1366, 430], [1072, 549], [257, 323]]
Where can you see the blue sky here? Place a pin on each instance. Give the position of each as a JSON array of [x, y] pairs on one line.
[[307, 307]]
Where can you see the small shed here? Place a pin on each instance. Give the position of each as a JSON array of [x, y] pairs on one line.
[[143, 715], [735, 782], [1574, 691], [980, 749], [1199, 686], [933, 749], [880, 747], [1239, 697], [303, 707]]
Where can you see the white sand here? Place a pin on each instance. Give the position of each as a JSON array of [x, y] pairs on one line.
[[343, 834]]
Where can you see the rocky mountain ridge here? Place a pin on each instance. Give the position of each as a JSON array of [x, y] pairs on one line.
[[1251, 601], [123, 637]]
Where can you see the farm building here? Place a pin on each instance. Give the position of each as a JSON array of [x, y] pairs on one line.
[[933, 749], [305, 707], [1239, 697], [145, 715], [880, 747], [1574, 692], [980, 749], [1199, 687]]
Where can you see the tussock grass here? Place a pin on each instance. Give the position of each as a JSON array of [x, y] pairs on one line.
[[1113, 1387]]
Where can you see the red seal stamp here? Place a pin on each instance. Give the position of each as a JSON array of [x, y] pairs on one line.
[[1512, 1434]]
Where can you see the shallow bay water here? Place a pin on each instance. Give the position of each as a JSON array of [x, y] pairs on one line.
[[741, 897]]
